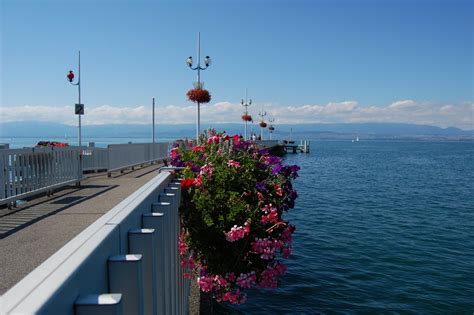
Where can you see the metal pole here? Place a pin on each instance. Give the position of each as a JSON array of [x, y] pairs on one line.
[[153, 121], [198, 126], [79, 88], [246, 113]]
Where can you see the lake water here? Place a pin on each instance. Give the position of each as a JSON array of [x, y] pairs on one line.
[[382, 227]]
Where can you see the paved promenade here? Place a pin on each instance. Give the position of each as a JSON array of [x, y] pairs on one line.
[[35, 230]]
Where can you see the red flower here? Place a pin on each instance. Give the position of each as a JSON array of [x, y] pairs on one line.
[[236, 139], [187, 182], [246, 117], [199, 96]]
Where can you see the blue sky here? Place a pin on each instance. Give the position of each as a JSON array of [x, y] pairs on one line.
[[306, 61]]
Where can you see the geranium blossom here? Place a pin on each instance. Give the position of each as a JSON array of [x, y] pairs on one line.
[[233, 163], [237, 232]]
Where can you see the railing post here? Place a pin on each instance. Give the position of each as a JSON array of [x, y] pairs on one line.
[[3, 172], [125, 276], [143, 241], [99, 304], [156, 221]]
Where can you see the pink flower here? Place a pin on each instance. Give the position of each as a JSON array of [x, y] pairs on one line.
[[233, 163], [207, 170], [237, 232], [198, 180], [205, 283], [266, 247], [272, 217], [174, 153], [198, 148], [236, 139], [246, 280]]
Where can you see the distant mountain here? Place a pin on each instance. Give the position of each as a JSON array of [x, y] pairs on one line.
[[300, 131]]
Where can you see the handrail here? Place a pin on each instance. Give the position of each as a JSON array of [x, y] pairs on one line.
[[78, 268]]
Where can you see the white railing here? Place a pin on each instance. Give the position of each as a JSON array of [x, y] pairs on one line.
[[122, 156], [124, 263], [95, 159], [25, 172]]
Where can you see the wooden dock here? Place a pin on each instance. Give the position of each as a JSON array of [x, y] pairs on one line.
[[303, 147]]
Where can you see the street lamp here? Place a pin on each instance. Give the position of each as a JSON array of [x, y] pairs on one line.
[[79, 109], [207, 63], [246, 117], [262, 122], [270, 127]]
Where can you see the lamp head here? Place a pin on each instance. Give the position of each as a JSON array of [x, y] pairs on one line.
[[189, 61], [207, 61], [70, 76]]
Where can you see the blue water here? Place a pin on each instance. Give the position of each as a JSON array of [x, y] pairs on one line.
[[382, 227]]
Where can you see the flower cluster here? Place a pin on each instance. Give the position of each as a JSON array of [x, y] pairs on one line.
[[233, 200], [247, 117], [199, 96]]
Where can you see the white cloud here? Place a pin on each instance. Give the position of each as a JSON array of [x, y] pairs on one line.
[[404, 111]]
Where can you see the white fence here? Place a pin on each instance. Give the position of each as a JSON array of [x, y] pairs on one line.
[[95, 159], [122, 156], [124, 263], [25, 172], [30, 171]]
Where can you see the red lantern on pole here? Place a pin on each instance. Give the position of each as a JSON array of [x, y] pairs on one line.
[[70, 76]]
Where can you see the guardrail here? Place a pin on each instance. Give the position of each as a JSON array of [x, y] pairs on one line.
[[124, 263], [123, 156], [25, 172], [95, 159]]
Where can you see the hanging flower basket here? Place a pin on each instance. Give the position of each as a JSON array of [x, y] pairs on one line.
[[271, 128], [263, 124], [199, 96], [246, 117], [234, 235]]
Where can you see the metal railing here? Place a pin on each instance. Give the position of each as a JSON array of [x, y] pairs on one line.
[[30, 171], [124, 263], [95, 159], [122, 156], [25, 172]]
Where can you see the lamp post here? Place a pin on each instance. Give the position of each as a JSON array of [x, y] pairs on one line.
[[207, 63], [262, 123], [246, 105], [79, 109], [270, 127]]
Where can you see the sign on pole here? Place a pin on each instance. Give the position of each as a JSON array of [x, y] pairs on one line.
[[79, 109]]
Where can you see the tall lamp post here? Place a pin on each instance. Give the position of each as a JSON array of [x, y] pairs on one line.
[[207, 63], [270, 127], [79, 108], [246, 105], [262, 122]]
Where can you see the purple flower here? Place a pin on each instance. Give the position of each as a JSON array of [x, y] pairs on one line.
[[276, 169], [260, 186]]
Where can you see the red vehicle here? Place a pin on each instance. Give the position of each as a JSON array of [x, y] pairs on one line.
[[52, 144]]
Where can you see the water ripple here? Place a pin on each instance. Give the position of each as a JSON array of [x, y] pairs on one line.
[[382, 227]]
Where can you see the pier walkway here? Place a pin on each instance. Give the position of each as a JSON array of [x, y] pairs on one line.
[[33, 231]]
